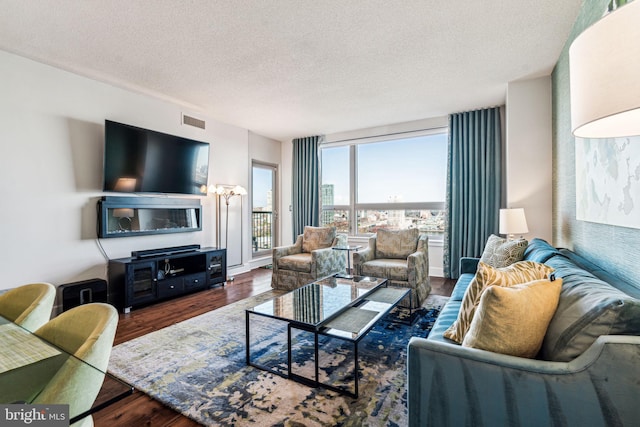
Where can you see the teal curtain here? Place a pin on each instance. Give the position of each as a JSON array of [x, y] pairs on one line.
[[474, 184], [306, 183]]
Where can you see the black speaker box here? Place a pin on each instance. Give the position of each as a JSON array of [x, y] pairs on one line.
[[83, 292]]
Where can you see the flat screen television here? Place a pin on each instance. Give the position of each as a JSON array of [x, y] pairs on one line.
[[139, 160]]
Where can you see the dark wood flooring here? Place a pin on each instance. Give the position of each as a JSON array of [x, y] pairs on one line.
[[141, 410]]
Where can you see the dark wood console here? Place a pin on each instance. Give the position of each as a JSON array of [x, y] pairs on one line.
[[151, 277]]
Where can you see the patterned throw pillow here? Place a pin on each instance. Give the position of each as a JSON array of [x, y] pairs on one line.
[[499, 252], [514, 320], [317, 238], [516, 273], [396, 244]]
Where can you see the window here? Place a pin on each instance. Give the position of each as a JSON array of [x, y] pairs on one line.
[[388, 183]]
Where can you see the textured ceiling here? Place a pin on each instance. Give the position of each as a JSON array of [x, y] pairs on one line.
[[290, 68]]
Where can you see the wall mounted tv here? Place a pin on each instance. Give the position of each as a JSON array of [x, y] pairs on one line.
[[139, 160]]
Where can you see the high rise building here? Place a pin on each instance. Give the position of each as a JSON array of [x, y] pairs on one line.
[[327, 199]]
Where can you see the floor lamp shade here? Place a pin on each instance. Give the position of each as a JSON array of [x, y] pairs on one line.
[[605, 76]]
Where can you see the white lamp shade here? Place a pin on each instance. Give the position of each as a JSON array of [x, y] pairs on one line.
[[605, 76], [513, 221]]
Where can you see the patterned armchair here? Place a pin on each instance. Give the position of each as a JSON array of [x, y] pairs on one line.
[[402, 257], [310, 258]]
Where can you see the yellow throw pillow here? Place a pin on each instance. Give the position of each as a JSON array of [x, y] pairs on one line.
[[514, 320], [514, 274]]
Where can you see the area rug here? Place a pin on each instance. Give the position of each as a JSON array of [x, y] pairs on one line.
[[198, 368]]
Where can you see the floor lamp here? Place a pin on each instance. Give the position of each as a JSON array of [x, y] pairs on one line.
[[227, 192]]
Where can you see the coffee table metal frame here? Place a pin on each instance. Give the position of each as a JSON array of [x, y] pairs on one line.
[[321, 329]]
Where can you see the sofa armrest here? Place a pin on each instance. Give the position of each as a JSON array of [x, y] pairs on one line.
[[454, 385], [468, 265]]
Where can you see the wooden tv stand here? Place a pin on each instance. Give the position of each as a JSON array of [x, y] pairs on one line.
[[161, 274]]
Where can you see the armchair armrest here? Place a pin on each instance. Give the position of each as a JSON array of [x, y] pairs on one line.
[[468, 265], [327, 261], [367, 254], [418, 262], [454, 385]]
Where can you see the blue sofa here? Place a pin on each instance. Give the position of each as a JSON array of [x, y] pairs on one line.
[[587, 373]]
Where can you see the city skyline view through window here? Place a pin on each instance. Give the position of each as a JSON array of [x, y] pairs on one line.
[[398, 184]]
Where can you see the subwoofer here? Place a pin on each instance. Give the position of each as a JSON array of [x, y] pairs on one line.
[[83, 292]]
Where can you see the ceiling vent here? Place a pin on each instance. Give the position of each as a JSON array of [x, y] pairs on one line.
[[192, 121]]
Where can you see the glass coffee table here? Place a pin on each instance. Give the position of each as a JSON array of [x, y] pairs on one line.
[[333, 308]]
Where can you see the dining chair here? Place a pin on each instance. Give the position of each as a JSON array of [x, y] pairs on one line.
[[86, 332], [29, 305]]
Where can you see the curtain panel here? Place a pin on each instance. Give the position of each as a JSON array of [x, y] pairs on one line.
[[474, 185], [306, 183]]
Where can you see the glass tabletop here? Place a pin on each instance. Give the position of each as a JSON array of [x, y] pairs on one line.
[[316, 303], [28, 364]]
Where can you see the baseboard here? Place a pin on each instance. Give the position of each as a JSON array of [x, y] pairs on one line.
[[260, 262], [436, 271]]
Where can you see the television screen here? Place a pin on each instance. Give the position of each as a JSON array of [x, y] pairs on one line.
[[144, 161]]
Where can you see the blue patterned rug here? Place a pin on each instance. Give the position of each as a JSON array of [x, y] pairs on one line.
[[197, 367]]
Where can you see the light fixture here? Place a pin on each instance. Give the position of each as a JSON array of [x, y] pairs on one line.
[[605, 76], [513, 221], [227, 192]]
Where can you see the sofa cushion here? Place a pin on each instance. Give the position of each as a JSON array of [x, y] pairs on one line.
[[513, 320], [447, 316], [398, 244], [588, 308], [539, 250], [297, 262], [392, 269], [461, 286], [317, 238], [516, 273], [499, 252]]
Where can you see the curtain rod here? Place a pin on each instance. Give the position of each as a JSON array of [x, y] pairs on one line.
[[385, 134]]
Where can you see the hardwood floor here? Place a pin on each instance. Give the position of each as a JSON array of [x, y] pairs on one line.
[[141, 410]]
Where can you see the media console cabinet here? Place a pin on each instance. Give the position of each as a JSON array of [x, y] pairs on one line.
[[154, 275]]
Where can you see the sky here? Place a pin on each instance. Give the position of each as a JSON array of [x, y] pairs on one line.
[[413, 169], [262, 183]]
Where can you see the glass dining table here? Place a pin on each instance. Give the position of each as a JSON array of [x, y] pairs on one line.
[[28, 364]]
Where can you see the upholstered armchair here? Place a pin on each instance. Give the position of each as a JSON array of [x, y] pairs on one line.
[[310, 258], [401, 257]]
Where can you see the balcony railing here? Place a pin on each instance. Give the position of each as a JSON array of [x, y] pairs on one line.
[[261, 237]]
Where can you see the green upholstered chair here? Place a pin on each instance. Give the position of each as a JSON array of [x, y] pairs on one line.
[[29, 305], [87, 332]]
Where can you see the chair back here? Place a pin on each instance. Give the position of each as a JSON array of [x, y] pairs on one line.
[[87, 332], [29, 305]]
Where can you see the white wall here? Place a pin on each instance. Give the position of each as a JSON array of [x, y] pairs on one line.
[[286, 217], [529, 153], [51, 134]]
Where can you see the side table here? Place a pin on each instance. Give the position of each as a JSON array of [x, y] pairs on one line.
[[349, 249]]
